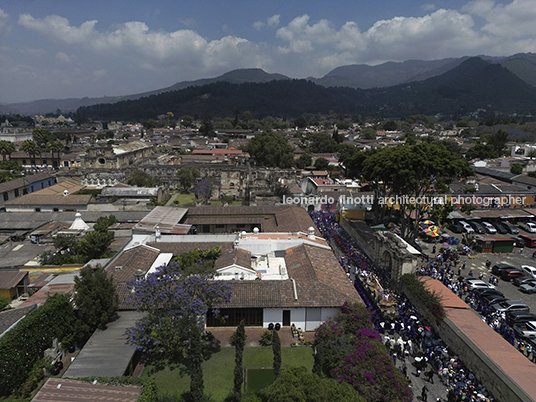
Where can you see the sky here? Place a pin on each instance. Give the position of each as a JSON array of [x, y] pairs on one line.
[[78, 48]]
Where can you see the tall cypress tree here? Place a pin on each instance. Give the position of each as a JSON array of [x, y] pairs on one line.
[[276, 348], [239, 342]]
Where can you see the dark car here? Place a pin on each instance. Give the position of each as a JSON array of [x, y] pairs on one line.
[[519, 242], [498, 269], [489, 291], [522, 280], [500, 228], [510, 227], [510, 274], [477, 227], [519, 316], [456, 227], [510, 305], [490, 299]]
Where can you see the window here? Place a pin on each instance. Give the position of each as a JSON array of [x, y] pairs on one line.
[[56, 209], [220, 226], [37, 209], [42, 186], [16, 192], [206, 228], [24, 161], [32, 189], [6, 196], [44, 161]]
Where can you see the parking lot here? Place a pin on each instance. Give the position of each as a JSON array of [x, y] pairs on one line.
[[478, 265]]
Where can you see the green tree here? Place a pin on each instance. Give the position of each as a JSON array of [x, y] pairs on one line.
[[96, 299], [42, 136], [410, 138], [368, 133], [498, 141], [271, 149], [104, 222], [298, 385], [390, 125], [6, 148], [187, 120], [321, 163], [238, 340], [94, 245], [139, 178], [322, 143], [516, 168], [421, 171], [187, 177], [55, 147], [346, 151], [31, 148], [276, 348], [303, 161]]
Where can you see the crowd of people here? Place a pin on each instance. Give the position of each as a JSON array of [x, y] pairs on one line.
[[408, 338]]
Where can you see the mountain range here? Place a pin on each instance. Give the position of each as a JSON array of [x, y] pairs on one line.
[[505, 83]]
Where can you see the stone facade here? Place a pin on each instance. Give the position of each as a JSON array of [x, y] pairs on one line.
[[116, 157]]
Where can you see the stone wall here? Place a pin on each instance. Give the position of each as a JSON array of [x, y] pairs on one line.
[[501, 386]]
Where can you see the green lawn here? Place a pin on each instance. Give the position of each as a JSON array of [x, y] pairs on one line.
[[184, 199], [218, 371]]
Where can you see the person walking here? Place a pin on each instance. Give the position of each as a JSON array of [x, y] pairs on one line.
[[424, 393]]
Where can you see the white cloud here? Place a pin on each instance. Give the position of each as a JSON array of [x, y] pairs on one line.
[[64, 58], [507, 20], [100, 73], [428, 7], [151, 49], [4, 18], [188, 22], [258, 25], [273, 21]]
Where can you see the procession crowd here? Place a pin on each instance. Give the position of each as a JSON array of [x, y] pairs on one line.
[[409, 340]]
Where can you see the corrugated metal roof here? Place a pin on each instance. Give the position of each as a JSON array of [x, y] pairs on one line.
[[166, 218]]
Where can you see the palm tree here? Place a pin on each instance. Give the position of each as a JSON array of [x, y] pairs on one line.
[[55, 146], [31, 148], [6, 148]]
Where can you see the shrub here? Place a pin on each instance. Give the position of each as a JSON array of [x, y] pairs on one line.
[[430, 300], [349, 350]]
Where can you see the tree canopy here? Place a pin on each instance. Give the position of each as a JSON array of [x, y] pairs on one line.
[[420, 171], [271, 149], [171, 333], [96, 300]]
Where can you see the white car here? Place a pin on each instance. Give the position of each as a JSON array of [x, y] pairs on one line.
[[529, 227], [467, 227], [479, 284], [525, 329], [530, 271], [489, 227]]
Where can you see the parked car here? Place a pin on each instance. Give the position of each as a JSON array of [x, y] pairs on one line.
[[500, 228], [529, 287], [511, 228], [487, 292], [477, 227], [466, 227], [498, 269], [492, 299], [489, 228], [523, 280], [510, 305], [529, 270], [528, 227], [519, 242], [479, 284], [510, 274], [456, 227], [525, 329], [513, 317]]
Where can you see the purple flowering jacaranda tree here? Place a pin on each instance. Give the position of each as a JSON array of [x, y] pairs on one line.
[[175, 302]]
